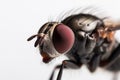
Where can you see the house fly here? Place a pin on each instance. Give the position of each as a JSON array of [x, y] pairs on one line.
[[84, 38]]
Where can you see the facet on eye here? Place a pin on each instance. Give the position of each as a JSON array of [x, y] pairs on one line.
[[63, 38]]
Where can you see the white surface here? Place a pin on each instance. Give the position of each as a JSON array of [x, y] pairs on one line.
[[19, 19]]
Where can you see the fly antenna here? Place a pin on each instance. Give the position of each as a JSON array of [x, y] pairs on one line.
[[40, 38], [36, 42], [30, 38]]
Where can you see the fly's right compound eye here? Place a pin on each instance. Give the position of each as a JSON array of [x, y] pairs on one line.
[[63, 38]]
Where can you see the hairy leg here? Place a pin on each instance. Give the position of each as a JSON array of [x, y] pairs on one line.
[[65, 64]]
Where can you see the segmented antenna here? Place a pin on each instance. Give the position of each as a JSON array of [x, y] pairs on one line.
[[39, 40]]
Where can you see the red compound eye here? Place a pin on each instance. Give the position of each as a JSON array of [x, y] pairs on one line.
[[63, 38]]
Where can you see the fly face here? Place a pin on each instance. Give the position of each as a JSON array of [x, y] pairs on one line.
[[54, 39]]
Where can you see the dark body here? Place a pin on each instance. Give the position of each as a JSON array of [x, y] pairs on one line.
[[89, 48], [104, 54], [94, 44]]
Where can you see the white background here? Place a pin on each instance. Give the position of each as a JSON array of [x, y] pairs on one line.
[[19, 19]]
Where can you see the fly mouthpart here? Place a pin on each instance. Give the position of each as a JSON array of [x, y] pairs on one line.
[[46, 57]]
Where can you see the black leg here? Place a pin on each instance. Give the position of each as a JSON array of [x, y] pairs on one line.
[[60, 72], [65, 64], [95, 60], [57, 67], [94, 63]]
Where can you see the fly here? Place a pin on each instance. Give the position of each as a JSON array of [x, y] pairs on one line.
[[84, 39]]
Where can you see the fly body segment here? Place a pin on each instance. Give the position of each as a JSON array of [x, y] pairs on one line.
[[84, 38]]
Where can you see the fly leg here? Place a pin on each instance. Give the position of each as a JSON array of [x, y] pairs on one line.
[[96, 59], [57, 67], [94, 63], [65, 64]]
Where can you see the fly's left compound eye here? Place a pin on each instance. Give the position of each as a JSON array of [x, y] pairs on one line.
[[63, 38]]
